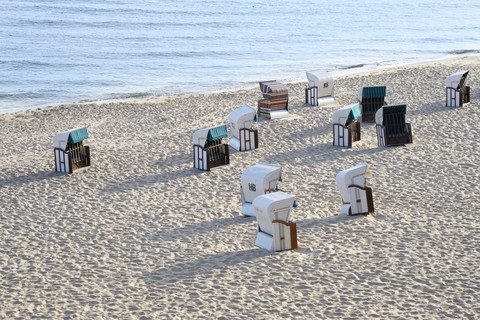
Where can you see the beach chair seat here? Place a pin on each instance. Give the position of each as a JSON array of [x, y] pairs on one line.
[[346, 129], [259, 179], [371, 99], [357, 198], [209, 151], [391, 127], [275, 231], [243, 137], [274, 104], [457, 93], [320, 88], [70, 152]]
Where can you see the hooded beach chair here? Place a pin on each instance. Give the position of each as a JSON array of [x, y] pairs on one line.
[[320, 88], [391, 126], [209, 151], [457, 93], [257, 180], [243, 137], [275, 231], [70, 153], [357, 198], [274, 104], [371, 99], [345, 127]]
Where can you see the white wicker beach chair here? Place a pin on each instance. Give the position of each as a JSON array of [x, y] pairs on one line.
[[320, 88], [70, 153], [209, 151], [357, 198], [346, 129], [275, 231], [457, 93], [243, 137]]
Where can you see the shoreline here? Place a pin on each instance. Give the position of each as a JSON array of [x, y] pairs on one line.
[[337, 73], [142, 234]]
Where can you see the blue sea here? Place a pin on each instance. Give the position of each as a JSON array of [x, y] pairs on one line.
[[57, 51]]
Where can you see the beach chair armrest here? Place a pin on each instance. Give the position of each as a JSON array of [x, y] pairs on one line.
[[282, 222], [359, 187]]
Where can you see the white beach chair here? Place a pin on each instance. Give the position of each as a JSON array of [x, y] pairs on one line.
[[356, 196], [320, 88], [457, 93], [258, 180], [209, 151], [70, 153], [275, 231], [243, 137], [345, 127]]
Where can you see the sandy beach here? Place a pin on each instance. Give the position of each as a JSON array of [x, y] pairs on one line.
[[141, 234]]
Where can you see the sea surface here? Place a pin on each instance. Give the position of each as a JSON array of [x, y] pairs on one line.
[[61, 51]]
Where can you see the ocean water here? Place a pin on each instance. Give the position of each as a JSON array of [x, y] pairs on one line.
[[57, 51]]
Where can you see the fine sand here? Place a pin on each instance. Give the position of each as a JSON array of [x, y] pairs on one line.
[[141, 234]]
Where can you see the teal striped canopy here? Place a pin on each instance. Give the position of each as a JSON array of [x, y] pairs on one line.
[[217, 133], [355, 113], [374, 92], [399, 108], [78, 135]]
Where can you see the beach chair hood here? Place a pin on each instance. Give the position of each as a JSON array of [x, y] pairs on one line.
[[259, 178], [389, 109], [455, 80], [201, 136], [241, 118], [342, 115], [323, 80], [372, 92], [352, 176], [70, 136]]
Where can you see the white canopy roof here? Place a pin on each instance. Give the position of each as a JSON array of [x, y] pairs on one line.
[[345, 178], [340, 116], [240, 118], [60, 140], [272, 206], [258, 178], [323, 80], [200, 136], [453, 81], [379, 116]]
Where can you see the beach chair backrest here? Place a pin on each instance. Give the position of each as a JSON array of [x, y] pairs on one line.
[[394, 119], [372, 98], [456, 80]]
